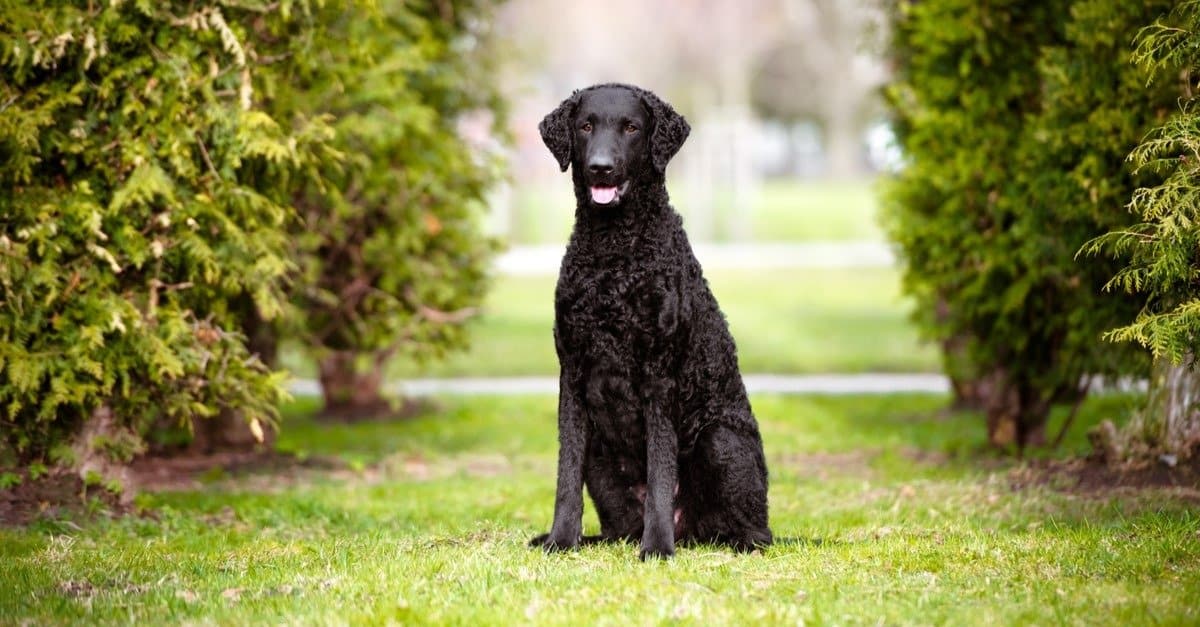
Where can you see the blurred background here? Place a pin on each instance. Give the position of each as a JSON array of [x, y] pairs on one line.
[[781, 95], [775, 182]]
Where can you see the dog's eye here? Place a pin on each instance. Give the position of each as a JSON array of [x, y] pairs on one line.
[[587, 127], [631, 129]]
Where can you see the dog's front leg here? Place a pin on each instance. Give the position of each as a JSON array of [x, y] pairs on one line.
[[662, 452], [567, 528]]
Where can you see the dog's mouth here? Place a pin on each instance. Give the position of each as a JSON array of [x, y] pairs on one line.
[[608, 194]]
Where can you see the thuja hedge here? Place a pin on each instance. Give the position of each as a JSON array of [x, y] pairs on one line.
[[392, 259], [141, 190], [1162, 252], [175, 174], [1016, 118]]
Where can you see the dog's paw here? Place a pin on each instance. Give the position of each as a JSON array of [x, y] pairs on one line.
[[557, 547], [657, 552], [753, 540], [554, 545], [658, 541], [539, 541]]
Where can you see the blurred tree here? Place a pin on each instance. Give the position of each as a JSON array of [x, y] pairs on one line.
[[817, 71], [1164, 252], [141, 194], [960, 92], [391, 253], [1015, 118], [699, 54]]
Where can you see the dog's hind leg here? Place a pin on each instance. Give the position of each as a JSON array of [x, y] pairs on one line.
[[724, 490]]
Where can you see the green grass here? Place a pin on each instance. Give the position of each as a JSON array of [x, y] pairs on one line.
[[788, 210], [794, 321], [542, 212], [781, 210], [893, 524]]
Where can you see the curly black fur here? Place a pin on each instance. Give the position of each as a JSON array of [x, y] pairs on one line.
[[653, 417]]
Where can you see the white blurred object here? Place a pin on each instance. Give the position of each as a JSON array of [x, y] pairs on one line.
[[882, 149]]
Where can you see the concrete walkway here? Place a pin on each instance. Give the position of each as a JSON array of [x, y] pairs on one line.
[[544, 260], [868, 383]]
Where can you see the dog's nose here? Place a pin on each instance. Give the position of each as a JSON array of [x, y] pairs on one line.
[[600, 166]]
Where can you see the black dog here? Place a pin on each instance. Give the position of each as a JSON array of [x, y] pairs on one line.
[[652, 416]]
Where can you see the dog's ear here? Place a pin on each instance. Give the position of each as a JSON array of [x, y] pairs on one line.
[[670, 131], [558, 133]]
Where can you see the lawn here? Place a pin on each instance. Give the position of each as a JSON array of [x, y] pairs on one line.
[[783, 210], [789, 321], [789, 210], [884, 515]]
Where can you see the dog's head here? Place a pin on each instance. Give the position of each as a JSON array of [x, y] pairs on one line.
[[614, 135]]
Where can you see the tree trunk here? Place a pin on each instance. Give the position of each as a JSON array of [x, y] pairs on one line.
[[970, 389], [89, 454], [228, 430], [843, 144], [1017, 411], [1035, 412], [1013, 419], [1167, 428], [351, 392], [1001, 404], [1170, 424]]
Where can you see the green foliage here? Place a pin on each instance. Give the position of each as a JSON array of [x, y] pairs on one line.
[[1015, 118], [37, 471], [1162, 253], [141, 190], [392, 258], [1163, 250]]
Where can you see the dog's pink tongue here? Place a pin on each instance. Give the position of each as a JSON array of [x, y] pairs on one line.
[[603, 195]]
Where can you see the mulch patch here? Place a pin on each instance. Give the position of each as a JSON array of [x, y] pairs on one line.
[[62, 495], [57, 495], [191, 471], [1086, 477]]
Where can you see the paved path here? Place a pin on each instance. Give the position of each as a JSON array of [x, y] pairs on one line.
[[544, 260], [869, 383]]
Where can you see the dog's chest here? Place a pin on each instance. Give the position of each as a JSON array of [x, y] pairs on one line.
[[608, 307]]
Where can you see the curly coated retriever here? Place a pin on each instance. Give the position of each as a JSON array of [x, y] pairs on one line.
[[653, 416]]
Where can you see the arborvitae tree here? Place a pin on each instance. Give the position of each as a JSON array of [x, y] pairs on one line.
[[961, 90], [1015, 117], [141, 192], [1163, 251], [392, 257]]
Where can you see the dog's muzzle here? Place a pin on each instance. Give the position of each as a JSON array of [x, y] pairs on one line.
[[608, 194]]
